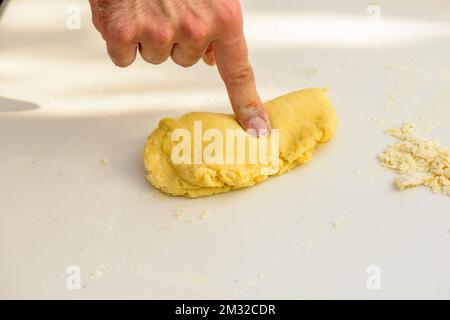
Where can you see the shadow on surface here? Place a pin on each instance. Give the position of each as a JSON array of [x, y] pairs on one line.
[[12, 105], [2, 6]]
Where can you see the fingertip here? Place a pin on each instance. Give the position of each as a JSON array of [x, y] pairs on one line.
[[254, 120]]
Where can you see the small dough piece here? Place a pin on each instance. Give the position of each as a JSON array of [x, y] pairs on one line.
[[417, 160], [304, 118]]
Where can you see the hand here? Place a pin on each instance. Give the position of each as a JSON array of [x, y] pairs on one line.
[[186, 31]]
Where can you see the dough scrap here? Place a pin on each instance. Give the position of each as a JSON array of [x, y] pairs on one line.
[[417, 160], [304, 118]]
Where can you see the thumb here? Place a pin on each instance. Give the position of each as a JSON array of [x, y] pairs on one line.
[[232, 62]]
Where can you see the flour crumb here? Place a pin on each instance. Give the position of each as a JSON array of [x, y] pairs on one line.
[[146, 196], [204, 214], [417, 161], [96, 274], [103, 160], [179, 214], [162, 226], [336, 225], [379, 121]]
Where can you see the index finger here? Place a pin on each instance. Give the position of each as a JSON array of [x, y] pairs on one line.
[[231, 55]]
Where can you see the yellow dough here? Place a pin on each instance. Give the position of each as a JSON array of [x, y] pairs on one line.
[[304, 118]]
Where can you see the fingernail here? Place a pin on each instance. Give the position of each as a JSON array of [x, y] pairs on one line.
[[257, 126]]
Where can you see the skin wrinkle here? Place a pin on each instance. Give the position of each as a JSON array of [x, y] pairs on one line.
[[158, 8], [112, 10]]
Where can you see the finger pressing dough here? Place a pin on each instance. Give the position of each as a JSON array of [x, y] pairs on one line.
[[304, 118]]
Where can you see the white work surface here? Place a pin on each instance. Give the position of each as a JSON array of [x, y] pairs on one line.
[[312, 233]]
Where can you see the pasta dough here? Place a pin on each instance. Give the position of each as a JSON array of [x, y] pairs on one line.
[[304, 118]]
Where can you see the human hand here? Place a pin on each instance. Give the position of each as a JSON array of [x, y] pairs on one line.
[[186, 31]]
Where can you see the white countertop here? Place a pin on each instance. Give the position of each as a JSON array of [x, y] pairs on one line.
[[312, 233]]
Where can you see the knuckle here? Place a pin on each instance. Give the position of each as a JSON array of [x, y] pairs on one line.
[[241, 76], [196, 32], [229, 15], [162, 36], [120, 34]]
